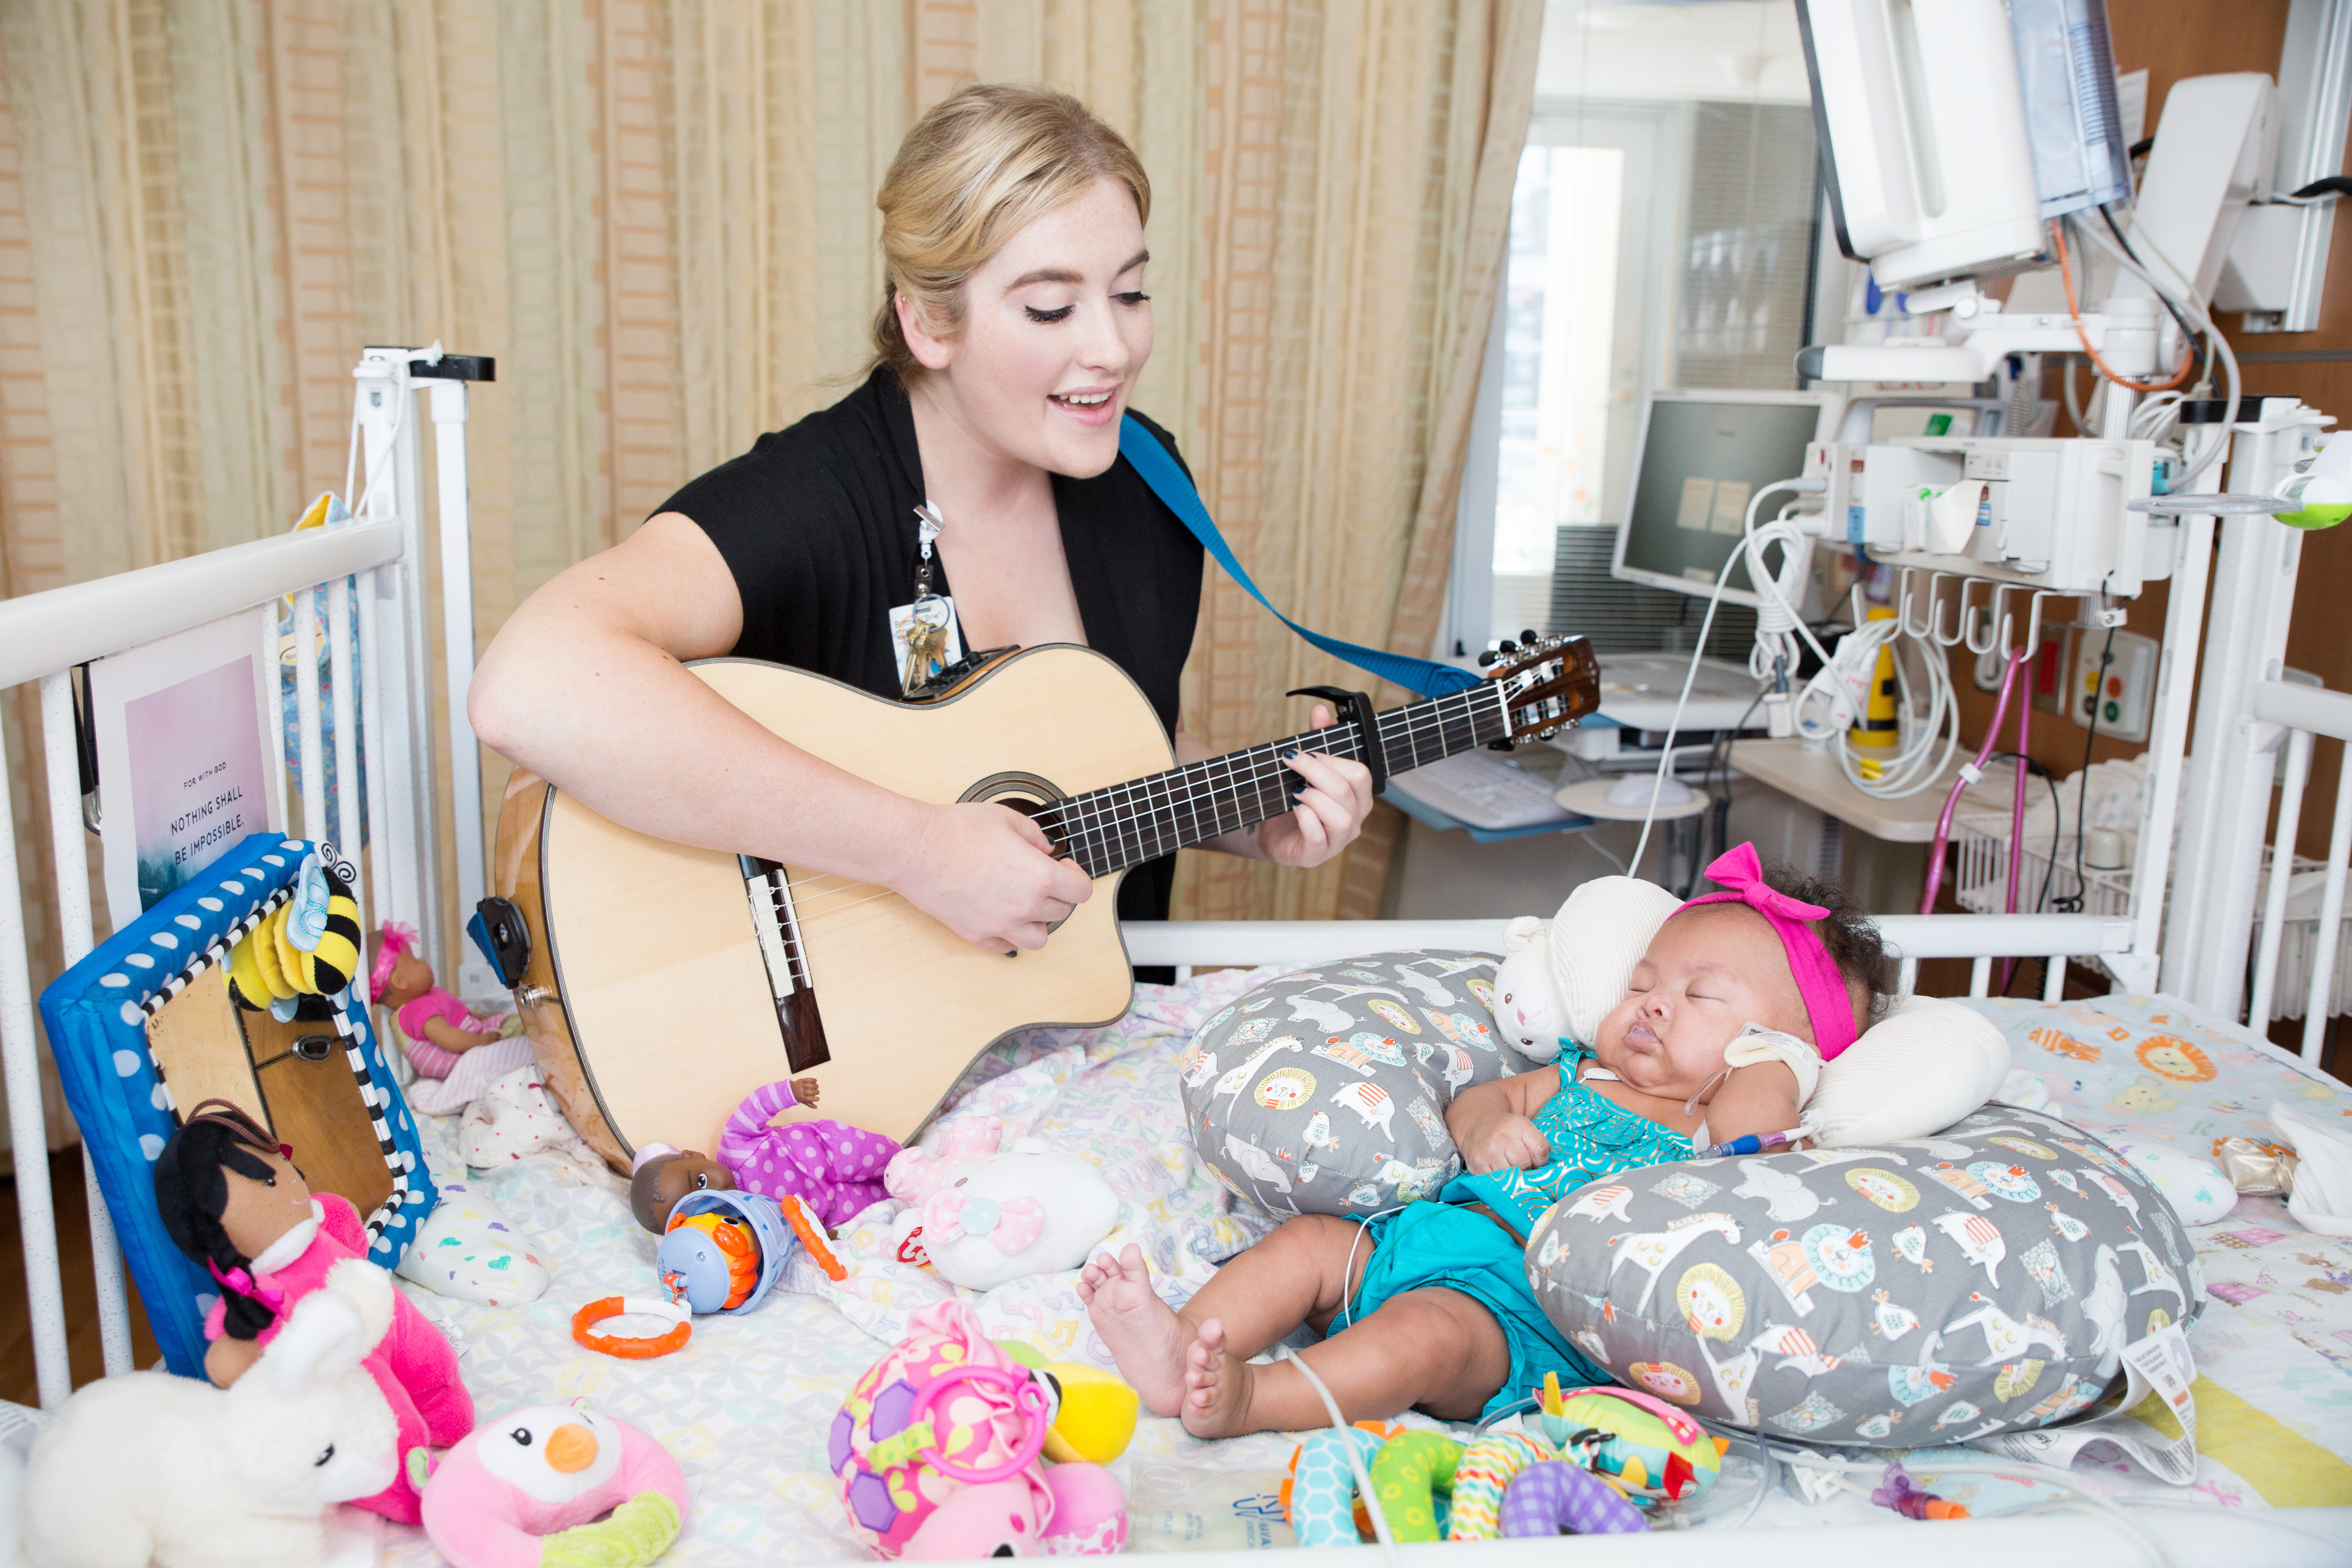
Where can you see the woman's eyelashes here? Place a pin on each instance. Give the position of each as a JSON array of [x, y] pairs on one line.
[[1045, 318]]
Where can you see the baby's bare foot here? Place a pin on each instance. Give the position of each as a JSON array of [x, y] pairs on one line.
[[1138, 1328], [1216, 1386]]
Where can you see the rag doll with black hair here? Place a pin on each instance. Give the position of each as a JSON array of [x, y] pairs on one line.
[[234, 1202]]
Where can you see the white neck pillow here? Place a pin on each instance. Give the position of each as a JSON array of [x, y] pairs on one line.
[[1924, 1066]]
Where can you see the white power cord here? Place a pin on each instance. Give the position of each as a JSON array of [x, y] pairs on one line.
[[1346, 1446], [1752, 551], [2190, 307]]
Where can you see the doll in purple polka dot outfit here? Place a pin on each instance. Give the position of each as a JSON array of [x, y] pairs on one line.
[[835, 1167]]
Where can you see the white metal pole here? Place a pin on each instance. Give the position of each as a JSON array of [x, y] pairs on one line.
[[2175, 682], [305, 713], [347, 761], [69, 847], [36, 1217], [450, 405], [372, 734], [2331, 917], [2289, 818], [273, 701], [424, 753]]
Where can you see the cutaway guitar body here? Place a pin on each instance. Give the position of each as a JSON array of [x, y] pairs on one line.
[[656, 960], [665, 984]]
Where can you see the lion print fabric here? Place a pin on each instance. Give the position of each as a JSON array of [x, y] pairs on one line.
[[1931, 1291], [1324, 1091]]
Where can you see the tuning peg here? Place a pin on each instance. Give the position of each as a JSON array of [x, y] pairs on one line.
[[1486, 658], [1507, 646], [1527, 638]]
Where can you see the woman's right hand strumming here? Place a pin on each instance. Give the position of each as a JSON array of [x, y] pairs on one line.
[[987, 874]]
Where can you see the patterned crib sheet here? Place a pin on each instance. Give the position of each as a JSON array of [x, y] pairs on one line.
[[746, 1406]]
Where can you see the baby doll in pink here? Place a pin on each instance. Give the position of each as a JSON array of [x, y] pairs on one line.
[[436, 1027], [233, 1201], [835, 1168]]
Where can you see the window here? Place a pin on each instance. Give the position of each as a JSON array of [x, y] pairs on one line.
[[1664, 233]]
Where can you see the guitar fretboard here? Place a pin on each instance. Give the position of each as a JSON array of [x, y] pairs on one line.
[[1111, 829]]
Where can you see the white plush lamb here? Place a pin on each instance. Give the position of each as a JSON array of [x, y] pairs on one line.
[[1922, 1067], [149, 1468]]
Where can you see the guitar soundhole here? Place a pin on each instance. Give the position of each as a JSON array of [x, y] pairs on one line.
[[1026, 794]]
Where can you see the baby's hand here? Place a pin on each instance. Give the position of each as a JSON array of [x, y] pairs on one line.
[[1506, 1143]]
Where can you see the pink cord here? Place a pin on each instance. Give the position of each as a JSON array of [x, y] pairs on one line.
[[1951, 801]]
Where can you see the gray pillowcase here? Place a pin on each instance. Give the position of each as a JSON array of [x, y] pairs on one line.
[[1324, 1091], [1925, 1293]]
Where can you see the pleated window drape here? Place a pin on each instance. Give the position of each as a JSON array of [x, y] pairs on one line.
[[659, 219]]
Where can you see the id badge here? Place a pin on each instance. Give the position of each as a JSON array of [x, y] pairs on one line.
[[924, 638]]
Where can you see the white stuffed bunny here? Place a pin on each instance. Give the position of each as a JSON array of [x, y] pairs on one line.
[[991, 1216], [149, 1468], [1559, 977]]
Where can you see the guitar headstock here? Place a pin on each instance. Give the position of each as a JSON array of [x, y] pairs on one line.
[[1550, 682]]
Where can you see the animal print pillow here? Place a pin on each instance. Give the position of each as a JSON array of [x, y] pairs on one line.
[[1324, 1091], [1930, 1292]]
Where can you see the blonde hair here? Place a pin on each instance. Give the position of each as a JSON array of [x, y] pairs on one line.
[[985, 163]]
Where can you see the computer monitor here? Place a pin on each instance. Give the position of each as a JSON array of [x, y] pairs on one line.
[[1699, 460]]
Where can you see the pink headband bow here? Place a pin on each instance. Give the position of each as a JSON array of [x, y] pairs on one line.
[[1828, 1004], [398, 939], [238, 1282]]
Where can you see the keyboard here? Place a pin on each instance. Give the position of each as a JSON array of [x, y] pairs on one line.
[[1485, 790]]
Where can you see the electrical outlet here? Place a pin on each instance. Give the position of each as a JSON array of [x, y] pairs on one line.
[[2123, 696]]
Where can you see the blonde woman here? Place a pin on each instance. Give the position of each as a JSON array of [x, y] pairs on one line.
[[1014, 322]]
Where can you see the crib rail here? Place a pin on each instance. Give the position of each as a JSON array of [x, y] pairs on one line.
[[1201, 944], [371, 570], [2301, 712]]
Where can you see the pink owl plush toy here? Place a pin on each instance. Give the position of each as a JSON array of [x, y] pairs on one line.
[[537, 1485]]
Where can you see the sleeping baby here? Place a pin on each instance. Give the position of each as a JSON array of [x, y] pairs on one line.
[[1428, 1305]]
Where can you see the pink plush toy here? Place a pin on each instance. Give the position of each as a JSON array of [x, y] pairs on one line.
[[552, 1483], [948, 1389]]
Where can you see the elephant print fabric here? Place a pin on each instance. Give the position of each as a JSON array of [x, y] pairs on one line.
[[1324, 1091], [1984, 1281]]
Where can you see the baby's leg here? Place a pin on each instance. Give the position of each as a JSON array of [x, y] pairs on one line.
[[1433, 1348], [1300, 1274]]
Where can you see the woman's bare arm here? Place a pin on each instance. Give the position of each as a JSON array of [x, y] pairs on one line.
[[587, 686]]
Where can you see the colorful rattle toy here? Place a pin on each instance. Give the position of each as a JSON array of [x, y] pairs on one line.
[[1322, 1492], [1411, 1475], [1648, 1449], [723, 1250], [1488, 1466], [939, 1451]]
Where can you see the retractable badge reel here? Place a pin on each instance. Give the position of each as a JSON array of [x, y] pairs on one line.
[[924, 631]]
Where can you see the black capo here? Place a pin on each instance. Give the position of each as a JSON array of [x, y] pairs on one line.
[[1358, 707]]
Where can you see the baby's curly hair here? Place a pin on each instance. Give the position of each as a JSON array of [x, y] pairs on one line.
[[1848, 933]]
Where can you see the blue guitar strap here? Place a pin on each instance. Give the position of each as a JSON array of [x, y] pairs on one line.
[[1169, 482]]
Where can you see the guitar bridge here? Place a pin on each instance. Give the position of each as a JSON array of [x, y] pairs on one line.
[[776, 925]]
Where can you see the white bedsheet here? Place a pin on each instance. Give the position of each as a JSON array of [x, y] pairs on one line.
[[746, 1406]]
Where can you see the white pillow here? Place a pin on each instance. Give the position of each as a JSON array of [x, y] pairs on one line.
[[1919, 1070]]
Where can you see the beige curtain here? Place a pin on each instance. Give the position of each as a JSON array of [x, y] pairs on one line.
[[659, 218]]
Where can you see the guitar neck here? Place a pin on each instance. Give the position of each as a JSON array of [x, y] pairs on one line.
[[1108, 830]]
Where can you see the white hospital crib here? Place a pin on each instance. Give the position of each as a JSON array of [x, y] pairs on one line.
[[374, 573]]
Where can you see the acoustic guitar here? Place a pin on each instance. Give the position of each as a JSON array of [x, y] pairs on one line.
[[663, 983]]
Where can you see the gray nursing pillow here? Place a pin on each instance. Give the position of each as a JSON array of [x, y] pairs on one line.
[[1926, 1291], [1324, 1091]]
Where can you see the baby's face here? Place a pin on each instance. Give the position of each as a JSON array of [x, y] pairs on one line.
[[1708, 973]]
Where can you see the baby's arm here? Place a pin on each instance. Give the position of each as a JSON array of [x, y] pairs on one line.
[[1492, 1124], [1758, 1098], [441, 1032]]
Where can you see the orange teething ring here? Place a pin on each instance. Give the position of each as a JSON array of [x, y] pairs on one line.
[[626, 1347]]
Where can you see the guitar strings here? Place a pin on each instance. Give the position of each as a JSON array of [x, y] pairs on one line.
[[1100, 825], [1099, 828]]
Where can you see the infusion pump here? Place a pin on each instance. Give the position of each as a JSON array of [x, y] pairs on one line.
[[2045, 514]]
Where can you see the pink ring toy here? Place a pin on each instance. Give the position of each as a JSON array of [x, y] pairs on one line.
[[1028, 1400]]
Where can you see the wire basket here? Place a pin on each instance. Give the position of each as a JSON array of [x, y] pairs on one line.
[[1981, 886]]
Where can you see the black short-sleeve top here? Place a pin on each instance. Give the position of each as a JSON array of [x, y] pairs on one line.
[[817, 524]]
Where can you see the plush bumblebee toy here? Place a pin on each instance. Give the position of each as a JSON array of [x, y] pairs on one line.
[[308, 946]]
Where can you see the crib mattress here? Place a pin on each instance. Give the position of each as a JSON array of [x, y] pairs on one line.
[[747, 1406]]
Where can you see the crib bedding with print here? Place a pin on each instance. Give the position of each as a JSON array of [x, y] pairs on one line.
[[748, 1405]]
